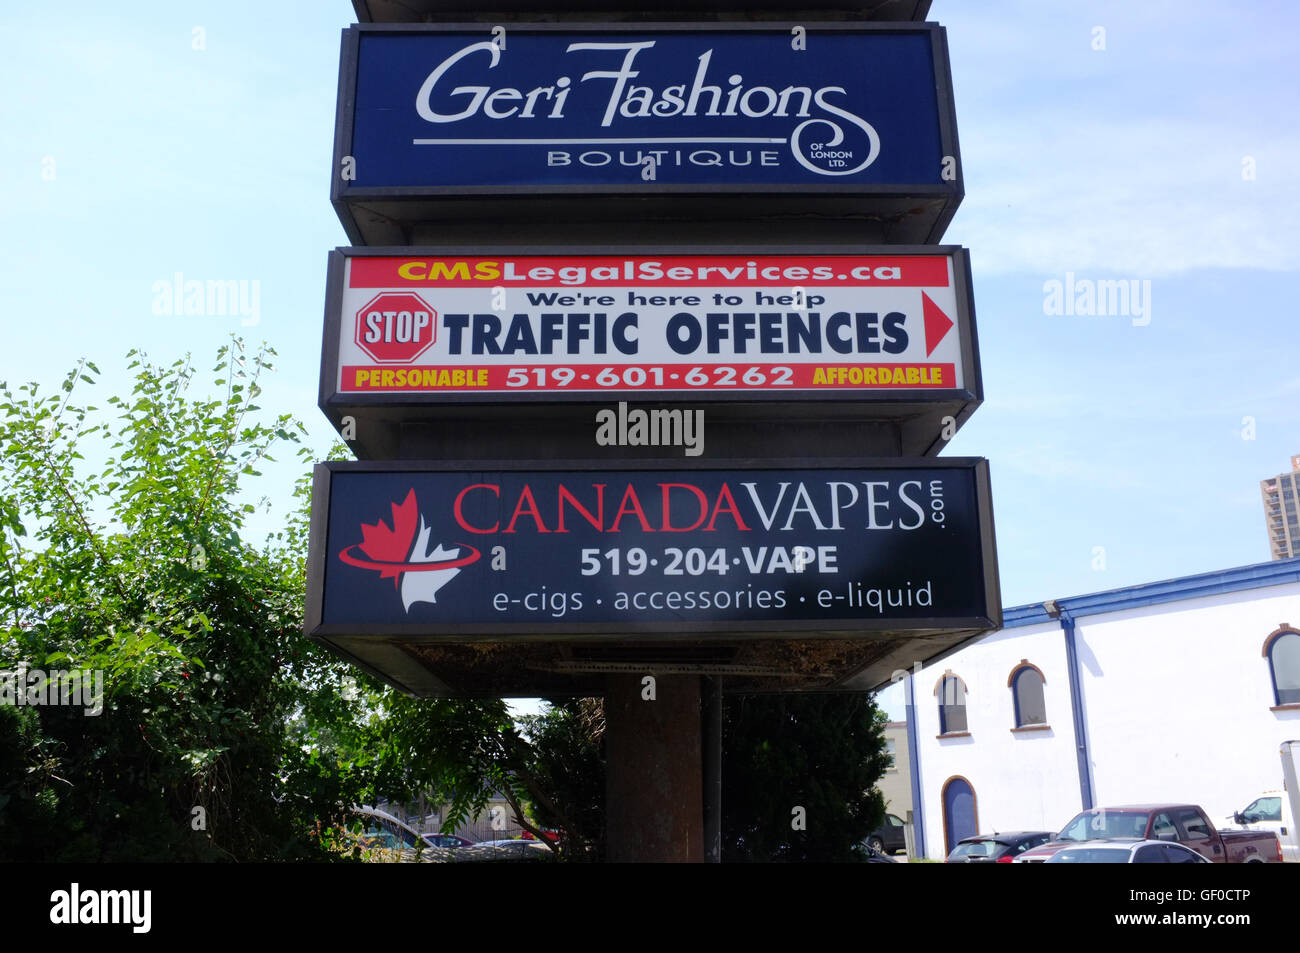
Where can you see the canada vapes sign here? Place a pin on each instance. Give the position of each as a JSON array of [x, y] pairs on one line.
[[705, 105], [903, 545]]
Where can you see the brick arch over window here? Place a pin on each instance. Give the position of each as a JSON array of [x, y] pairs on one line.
[[1024, 664], [1282, 652], [1026, 682], [948, 673], [952, 704]]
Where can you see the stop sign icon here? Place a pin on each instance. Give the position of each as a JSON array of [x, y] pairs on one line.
[[396, 327]]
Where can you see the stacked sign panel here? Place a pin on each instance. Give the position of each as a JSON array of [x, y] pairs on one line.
[[731, 120], [849, 547], [871, 330]]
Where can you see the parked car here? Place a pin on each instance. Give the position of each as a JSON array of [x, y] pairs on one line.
[[514, 848], [1185, 824], [996, 848], [376, 828], [549, 833], [1271, 811], [872, 856], [447, 840], [888, 838], [1122, 851]]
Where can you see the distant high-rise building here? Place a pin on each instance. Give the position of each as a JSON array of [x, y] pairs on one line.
[[1282, 511]]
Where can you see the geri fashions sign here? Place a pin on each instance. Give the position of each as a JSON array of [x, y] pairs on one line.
[[427, 108], [899, 545], [891, 325]]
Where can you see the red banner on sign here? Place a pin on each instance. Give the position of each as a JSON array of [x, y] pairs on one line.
[[660, 377], [682, 271]]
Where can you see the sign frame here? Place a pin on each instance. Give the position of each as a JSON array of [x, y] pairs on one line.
[[388, 11], [918, 413], [610, 633], [895, 213]]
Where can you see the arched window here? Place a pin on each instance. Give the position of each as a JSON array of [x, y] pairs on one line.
[[951, 692], [1282, 649], [1026, 683]]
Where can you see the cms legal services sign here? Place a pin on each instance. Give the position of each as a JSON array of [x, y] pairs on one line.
[[748, 107], [853, 324]]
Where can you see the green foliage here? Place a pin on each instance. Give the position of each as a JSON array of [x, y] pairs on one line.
[[821, 752], [464, 751], [461, 751], [568, 763], [217, 708], [213, 699]]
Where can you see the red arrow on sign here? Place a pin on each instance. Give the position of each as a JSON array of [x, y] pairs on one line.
[[937, 324]]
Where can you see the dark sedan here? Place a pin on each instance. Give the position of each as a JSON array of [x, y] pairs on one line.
[[888, 837], [996, 848]]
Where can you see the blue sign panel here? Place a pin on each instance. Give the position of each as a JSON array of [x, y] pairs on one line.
[[699, 106], [900, 545]]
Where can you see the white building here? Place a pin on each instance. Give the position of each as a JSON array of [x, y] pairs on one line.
[[1175, 691]]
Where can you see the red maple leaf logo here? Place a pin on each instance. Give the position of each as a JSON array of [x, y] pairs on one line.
[[386, 545]]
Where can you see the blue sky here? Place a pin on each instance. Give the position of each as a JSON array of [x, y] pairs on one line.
[[1167, 157]]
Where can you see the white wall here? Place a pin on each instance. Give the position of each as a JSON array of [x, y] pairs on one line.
[[1022, 781], [1177, 700]]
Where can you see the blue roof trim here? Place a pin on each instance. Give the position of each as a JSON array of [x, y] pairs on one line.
[[1275, 572]]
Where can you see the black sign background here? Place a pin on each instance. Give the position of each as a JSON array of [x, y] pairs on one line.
[[929, 564]]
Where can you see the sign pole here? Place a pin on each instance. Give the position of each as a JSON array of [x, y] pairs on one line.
[[711, 726], [654, 790]]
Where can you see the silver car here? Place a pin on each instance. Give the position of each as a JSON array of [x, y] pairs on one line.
[[1121, 851]]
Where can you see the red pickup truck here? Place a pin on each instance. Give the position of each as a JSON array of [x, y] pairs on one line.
[[1184, 824]]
